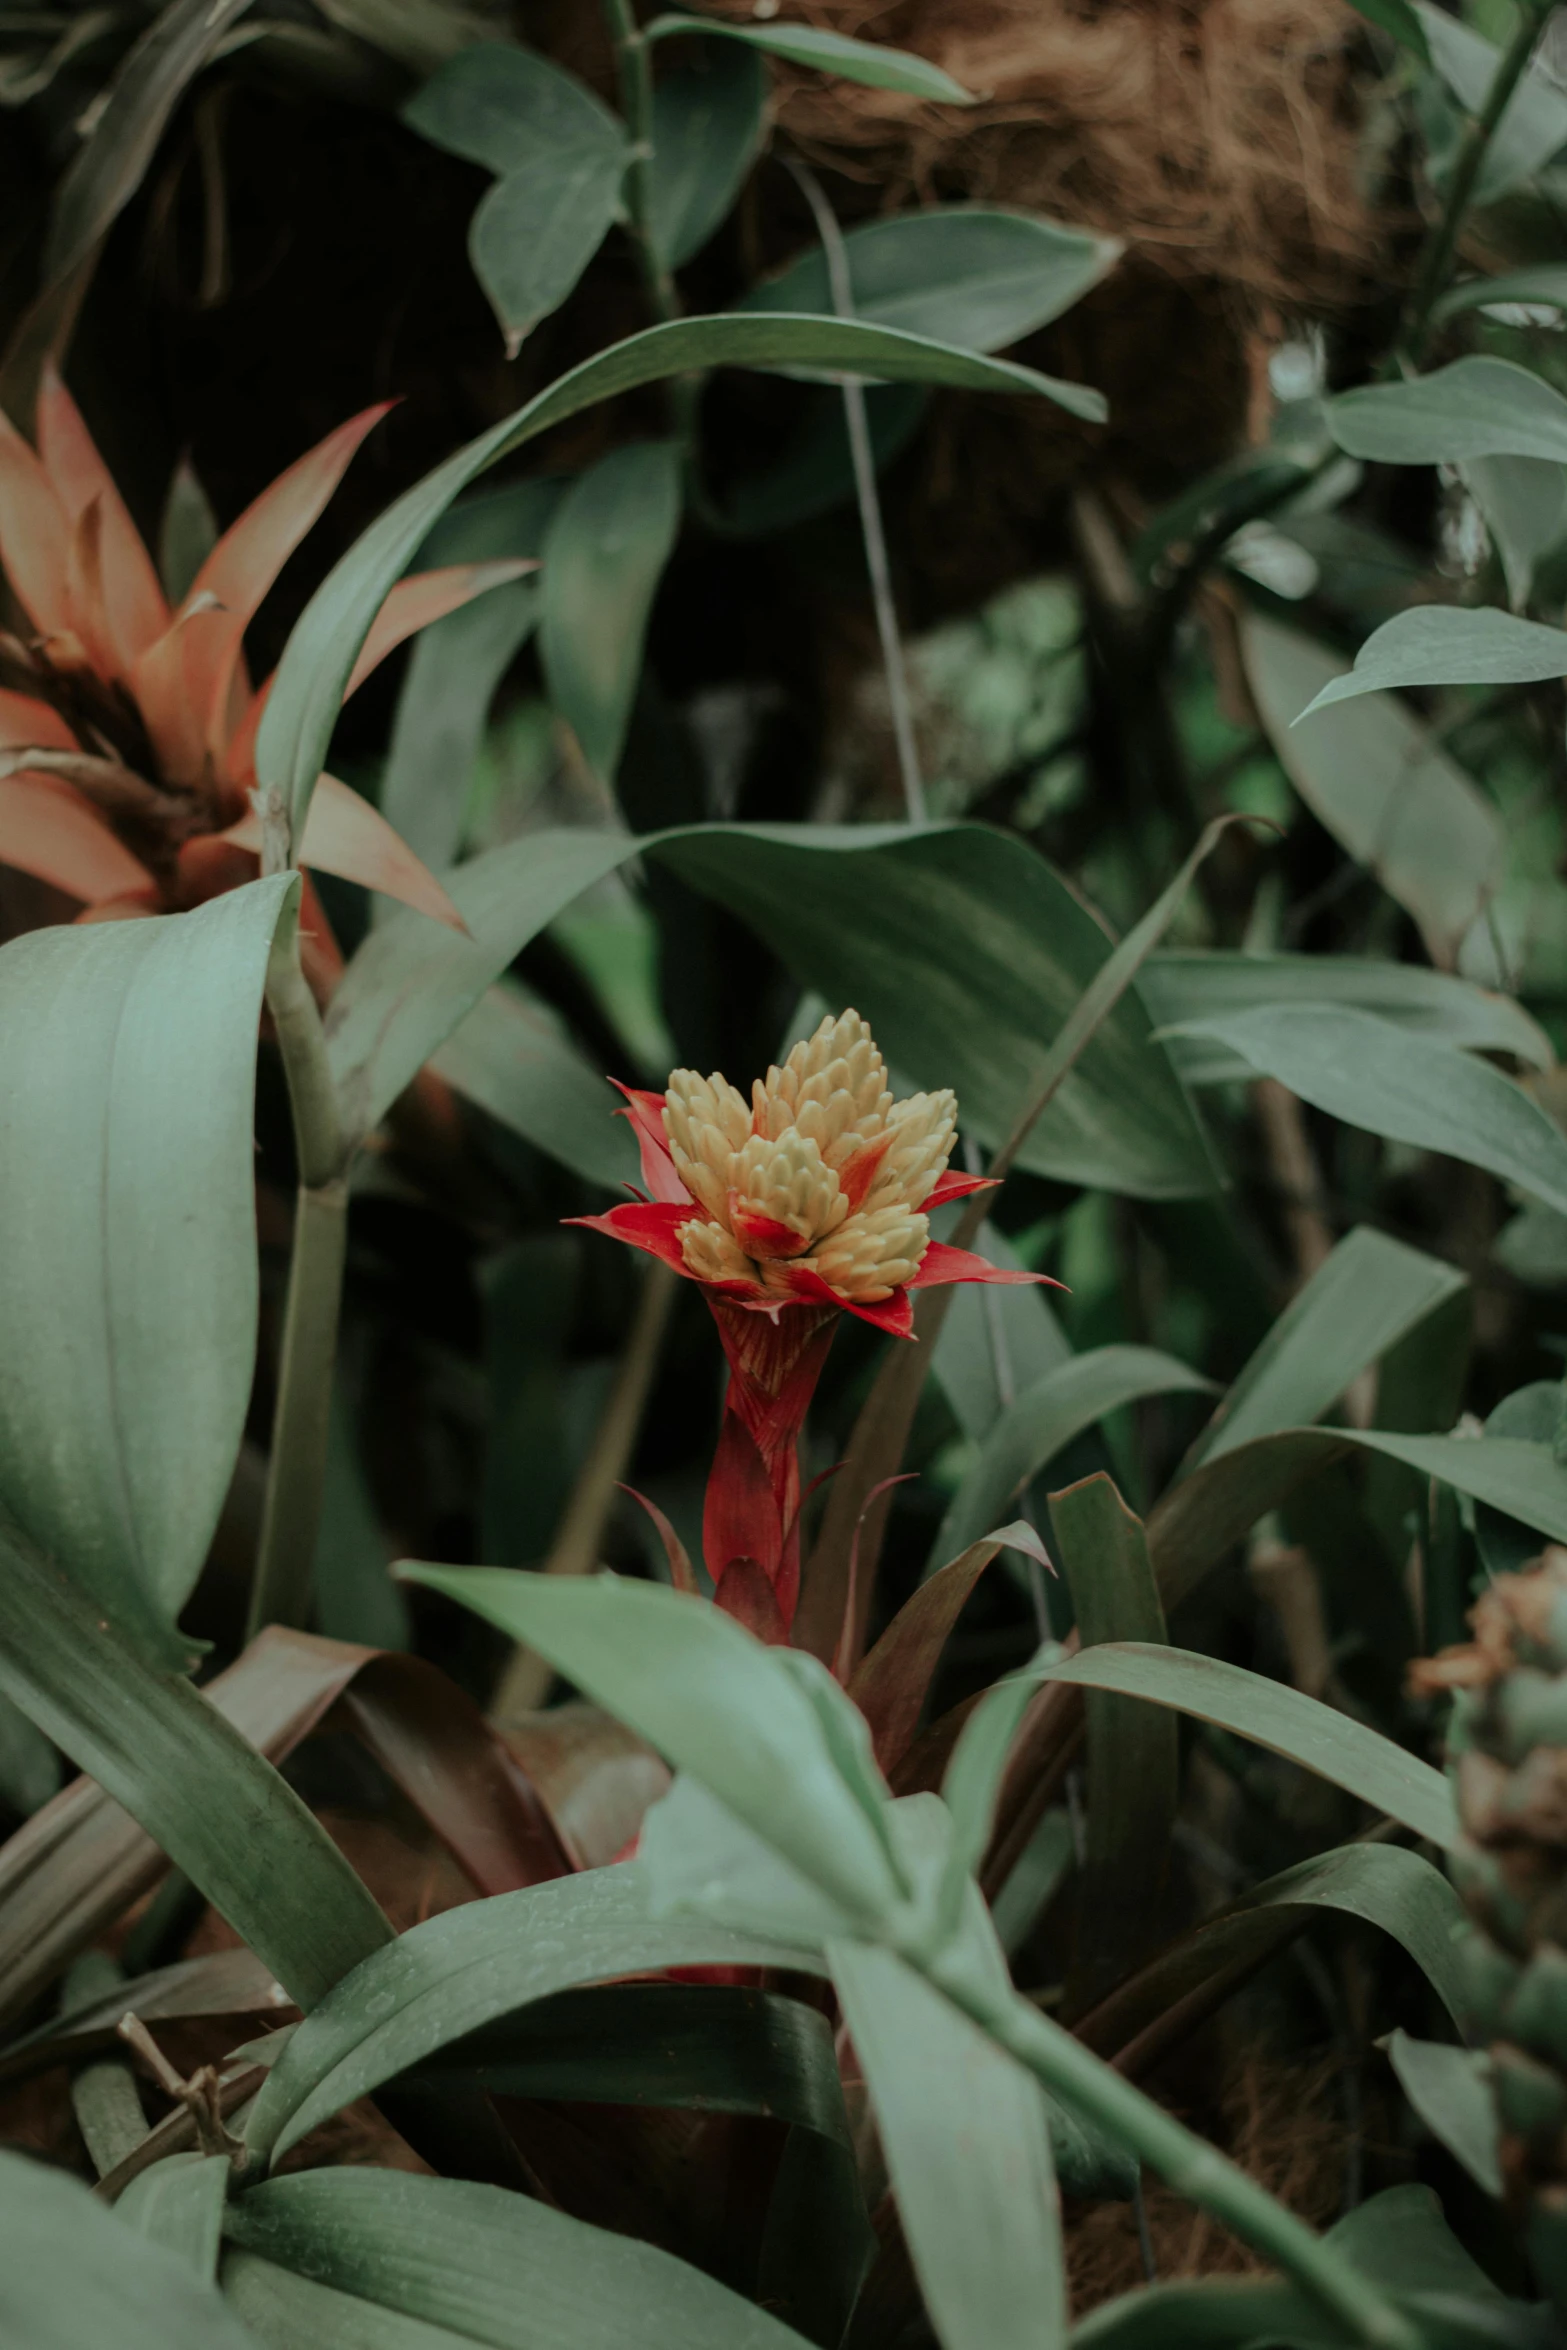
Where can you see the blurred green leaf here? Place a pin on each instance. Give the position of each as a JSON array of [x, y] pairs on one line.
[[995, 1341], [179, 1767], [1382, 786], [1472, 408], [128, 1319], [72, 2273], [813, 470], [961, 273], [1534, 123], [178, 2203], [453, 671], [453, 1974], [869, 62], [1367, 1295], [1439, 644], [604, 555], [1045, 1417], [1544, 285], [1524, 502], [1450, 2089], [511, 1057], [485, 2265], [29, 1766], [318, 659], [355, 1597], [890, 1685], [501, 106], [709, 121], [1302, 1729], [1397, 18], [292, 2312], [1413, 1089]]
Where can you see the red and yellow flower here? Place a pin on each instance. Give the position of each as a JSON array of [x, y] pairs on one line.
[[811, 1201]]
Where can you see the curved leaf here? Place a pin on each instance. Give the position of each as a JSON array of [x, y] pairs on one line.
[[1302, 1729], [880, 68], [1533, 126], [1440, 644], [1473, 408], [1544, 286], [500, 106], [709, 121], [319, 657], [128, 1318], [604, 555], [510, 1056], [1450, 2088]]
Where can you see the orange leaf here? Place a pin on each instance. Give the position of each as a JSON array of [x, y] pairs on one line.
[[136, 610], [27, 725], [346, 836], [48, 828], [34, 535], [428, 596]]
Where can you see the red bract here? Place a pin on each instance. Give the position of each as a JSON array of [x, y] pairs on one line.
[[128, 729], [808, 1203]]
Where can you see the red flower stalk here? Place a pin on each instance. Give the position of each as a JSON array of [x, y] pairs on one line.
[[807, 1203]]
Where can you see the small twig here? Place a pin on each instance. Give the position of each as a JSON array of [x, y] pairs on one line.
[[840, 279]]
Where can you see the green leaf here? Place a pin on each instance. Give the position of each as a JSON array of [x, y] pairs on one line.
[[1134, 1772], [1413, 1089], [113, 160], [456, 1973], [1333, 1744], [1534, 122], [604, 555], [1367, 1295], [290, 2312], [453, 671], [1017, 1318], [535, 232], [1544, 286], [29, 1766], [1450, 2089], [878, 67], [1439, 644], [813, 469], [1201, 1517], [1177, 988], [165, 1753], [178, 2203], [1473, 408], [318, 659], [967, 2143], [1398, 19], [72, 2273], [220, 1983], [488, 2267], [961, 273], [1385, 790], [1524, 503], [709, 121], [890, 1685], [765, 1728], [511, 1056], [128, 1320], [1044, 1418], [502, 107], [1392, 1889]]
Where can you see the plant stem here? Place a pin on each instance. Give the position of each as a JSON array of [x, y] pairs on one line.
[[1183, 2160], [1437, 259], [840, 278], [296, 1471], [635, 70]]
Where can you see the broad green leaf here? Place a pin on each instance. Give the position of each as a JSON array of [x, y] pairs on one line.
[[972, 960], [1385, 790], [535, 232], [1200, 1518], [178, 2203], [967, 2143], [1413, 1089], [128, 127], [470, 1967], [962, 273], [1472, 408], [766, 1728], [1544, 286], [1440, 644], [1524, 503], [1450, 2088], [73, 2274], [1432, 1003], [709, 121], [1134, 1772], [128, 1292], [1360, 1302], [1533, 1247], [1534, 123], [604, 556], [165, 1753], [502, 106], [290, 2312], [511, 1056], [453, 671], [489, 2267], [1044, 1418], [1302, 1729], [318, 659], [852, 61], [1390, 1888], [995, 1341], [1398, 19]]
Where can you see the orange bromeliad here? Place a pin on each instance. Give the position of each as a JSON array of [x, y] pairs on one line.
[[808, 1202], [128, 728]]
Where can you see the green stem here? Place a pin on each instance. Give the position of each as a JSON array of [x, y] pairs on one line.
[[635, 68], [1184, 2161], [296, 1471], [1437, 259]]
